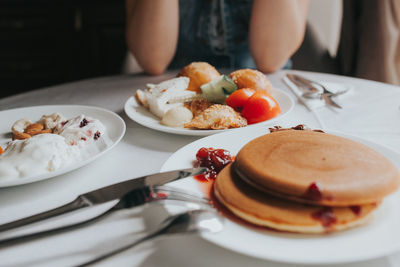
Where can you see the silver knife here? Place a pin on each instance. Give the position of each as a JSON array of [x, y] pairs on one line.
[[293, 79], [106, 194], [134, 198]]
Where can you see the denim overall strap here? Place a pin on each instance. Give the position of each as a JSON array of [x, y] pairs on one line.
[[215, 31]]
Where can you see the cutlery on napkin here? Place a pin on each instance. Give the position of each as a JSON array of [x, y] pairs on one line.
[[312, 103]]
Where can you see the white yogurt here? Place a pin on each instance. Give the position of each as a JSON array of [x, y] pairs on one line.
[[75, 139], [37, 155]]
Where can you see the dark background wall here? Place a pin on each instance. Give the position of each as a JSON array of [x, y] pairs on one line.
[[47, 42]]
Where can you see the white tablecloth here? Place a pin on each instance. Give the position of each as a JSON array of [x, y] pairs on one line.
[[371, 110]]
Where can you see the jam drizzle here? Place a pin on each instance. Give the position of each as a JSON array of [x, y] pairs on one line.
[[325, 216], [313, 192], [356, 210]]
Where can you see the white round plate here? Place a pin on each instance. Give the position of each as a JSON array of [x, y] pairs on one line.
[[141, 115], [378, 238], [114, 123]]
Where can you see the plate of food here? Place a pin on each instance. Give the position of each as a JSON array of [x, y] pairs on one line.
[[201, 101], [304, 197], [42, 142]]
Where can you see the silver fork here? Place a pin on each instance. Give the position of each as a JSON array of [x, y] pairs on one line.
[[326, 95], [132, 199], [191, 221]]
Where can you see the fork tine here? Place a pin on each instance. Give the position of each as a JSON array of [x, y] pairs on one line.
[[155, 193], [177, 194]]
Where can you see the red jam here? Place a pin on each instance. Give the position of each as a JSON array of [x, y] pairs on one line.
[[325, 216], [313, 192], [213, 159], [356, 210]]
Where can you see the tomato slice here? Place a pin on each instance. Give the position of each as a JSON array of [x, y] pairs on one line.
[[1, 150], [238, 98], [260, 107]]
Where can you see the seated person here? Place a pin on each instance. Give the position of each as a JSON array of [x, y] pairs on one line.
[[260, 34]]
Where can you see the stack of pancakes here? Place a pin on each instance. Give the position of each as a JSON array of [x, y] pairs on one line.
[[306, 182]]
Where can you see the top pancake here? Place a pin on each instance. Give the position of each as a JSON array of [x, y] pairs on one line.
[[316, 168]]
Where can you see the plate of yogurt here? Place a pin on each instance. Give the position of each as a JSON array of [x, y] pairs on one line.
[[42, 142]]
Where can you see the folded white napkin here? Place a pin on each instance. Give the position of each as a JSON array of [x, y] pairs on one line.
[[314, 103]]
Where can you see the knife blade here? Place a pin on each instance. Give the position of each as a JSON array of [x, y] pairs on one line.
[[118, 190], [307, 83], [308, 89], [105, 194]]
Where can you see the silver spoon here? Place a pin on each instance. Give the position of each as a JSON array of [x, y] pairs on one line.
[[193, 221]]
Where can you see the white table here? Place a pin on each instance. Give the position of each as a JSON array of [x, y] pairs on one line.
[[376, 116]]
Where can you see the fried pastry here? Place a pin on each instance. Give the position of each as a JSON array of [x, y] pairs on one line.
[[197, 106], [217, 117]]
